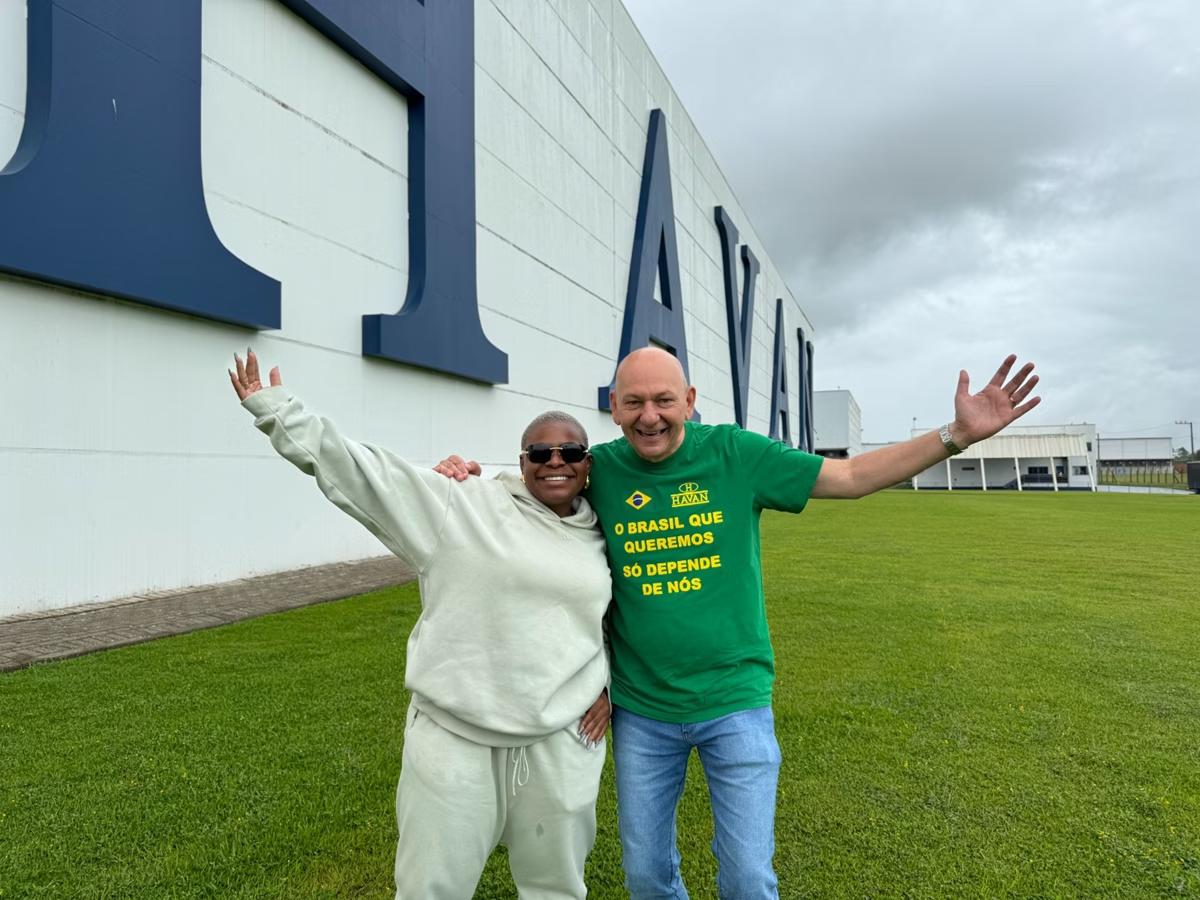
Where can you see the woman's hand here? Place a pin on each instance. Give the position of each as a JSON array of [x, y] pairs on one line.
[[595, 721], [246, 380]]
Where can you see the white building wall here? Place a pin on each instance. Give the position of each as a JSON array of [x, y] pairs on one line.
[[128, 465], [837, 422], [855, 447], [1149, 449], [999, 472]]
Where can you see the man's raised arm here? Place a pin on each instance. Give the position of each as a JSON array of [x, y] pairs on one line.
[[976, 417]]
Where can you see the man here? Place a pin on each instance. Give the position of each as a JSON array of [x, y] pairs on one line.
[[692, 664]]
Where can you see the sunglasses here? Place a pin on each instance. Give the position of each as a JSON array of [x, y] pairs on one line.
[[542, 453]]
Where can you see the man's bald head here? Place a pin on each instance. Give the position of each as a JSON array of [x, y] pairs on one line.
[[651, 400], [651, 361]]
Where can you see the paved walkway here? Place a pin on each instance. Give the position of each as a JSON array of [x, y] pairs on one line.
[[60, 633], [1139, 489]]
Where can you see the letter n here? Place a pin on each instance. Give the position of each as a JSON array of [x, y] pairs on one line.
[[805, 414], [781, 427], [654, 259], [104, 193]]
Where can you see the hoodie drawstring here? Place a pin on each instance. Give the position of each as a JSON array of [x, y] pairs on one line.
[[520, 764]]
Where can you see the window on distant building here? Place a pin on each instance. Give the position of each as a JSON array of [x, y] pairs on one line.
[[1039, 470], [1078, 470], [1089, 445]]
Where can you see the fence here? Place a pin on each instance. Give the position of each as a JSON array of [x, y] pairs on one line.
[[1168, 475]]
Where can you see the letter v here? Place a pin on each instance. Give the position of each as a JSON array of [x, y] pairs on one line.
[[741, 322]]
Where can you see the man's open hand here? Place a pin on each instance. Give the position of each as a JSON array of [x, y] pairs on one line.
[[979, 416]]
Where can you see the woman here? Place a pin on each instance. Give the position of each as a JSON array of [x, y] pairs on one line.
[[506, 663]]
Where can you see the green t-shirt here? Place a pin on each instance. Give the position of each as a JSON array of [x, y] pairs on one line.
[[689, 627]]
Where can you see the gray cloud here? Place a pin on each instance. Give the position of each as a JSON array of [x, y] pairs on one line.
[[942, 182]]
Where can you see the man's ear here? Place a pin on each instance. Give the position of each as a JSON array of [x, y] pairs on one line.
[[690, 400], [612, 406]]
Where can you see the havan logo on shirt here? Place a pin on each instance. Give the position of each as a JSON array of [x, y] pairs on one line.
[[637, 500], [689, 495]]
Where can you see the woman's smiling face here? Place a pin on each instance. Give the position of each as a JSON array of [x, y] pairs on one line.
[[555, 483]]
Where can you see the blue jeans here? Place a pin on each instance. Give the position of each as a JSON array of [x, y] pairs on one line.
[[740, 757]]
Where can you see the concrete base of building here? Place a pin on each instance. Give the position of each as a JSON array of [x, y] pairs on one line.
[[61, 633]]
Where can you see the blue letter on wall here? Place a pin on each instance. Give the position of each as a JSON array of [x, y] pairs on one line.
[[781, 427], [426, 51], [655, 257], [805, 415], [740, 323], [104, 192]]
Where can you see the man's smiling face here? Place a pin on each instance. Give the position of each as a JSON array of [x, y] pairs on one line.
[[651, 401]]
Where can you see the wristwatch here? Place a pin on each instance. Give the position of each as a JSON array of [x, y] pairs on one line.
[[948, 442]]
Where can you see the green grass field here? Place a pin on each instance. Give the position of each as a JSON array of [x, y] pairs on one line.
[[977, 696]]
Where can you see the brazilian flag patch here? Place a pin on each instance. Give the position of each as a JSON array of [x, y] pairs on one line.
[[637, 500]]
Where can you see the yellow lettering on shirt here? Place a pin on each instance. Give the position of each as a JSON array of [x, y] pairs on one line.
[[671, 533]]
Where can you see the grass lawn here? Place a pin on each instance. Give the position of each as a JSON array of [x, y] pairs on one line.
[[977, 695]]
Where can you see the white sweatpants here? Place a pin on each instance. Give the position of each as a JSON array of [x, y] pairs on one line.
[[457, 800]]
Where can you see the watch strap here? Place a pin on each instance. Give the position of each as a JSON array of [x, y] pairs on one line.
[[948, 442]]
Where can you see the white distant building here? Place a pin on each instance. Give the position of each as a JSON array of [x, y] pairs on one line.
[[1125, 456], [1022, 457], [837, 424]]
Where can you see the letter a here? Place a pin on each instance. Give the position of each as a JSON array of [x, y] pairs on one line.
[[655, 257], [781, 427]]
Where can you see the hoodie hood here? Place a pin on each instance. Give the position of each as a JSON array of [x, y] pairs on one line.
[[583, 516]]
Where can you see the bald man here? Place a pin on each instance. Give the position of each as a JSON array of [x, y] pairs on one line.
[[692, 664]]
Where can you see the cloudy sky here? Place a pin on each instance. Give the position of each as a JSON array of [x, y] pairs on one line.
[[944, 182]]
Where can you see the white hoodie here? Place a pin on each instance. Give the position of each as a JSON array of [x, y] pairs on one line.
[[509, 645]]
